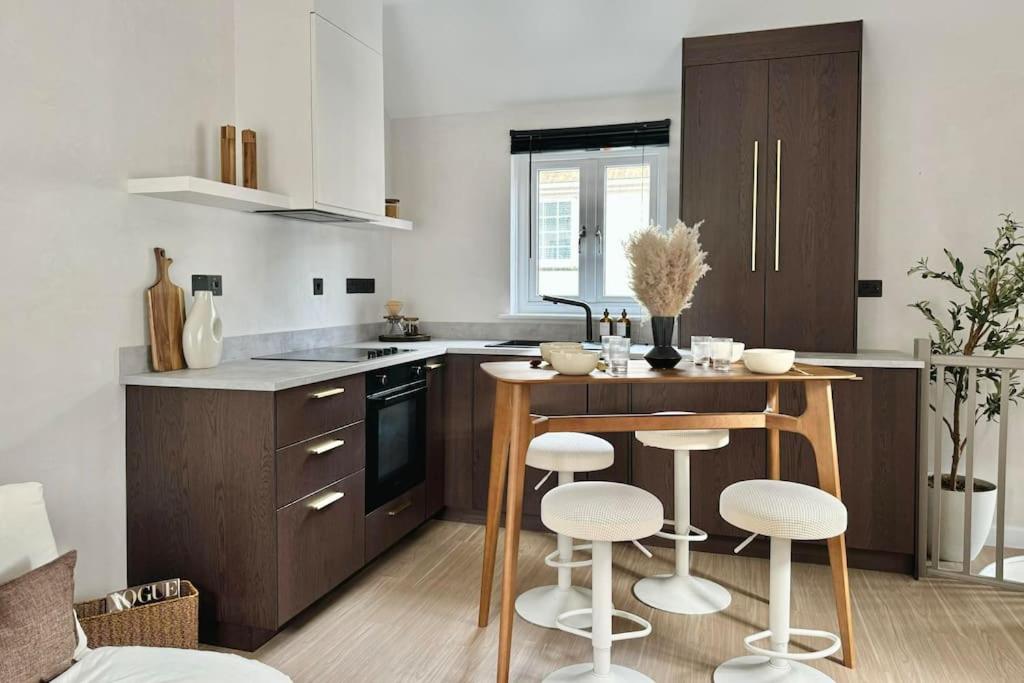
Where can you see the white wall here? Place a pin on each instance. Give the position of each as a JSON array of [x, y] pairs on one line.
[[452, 174], [95, 92], [940, 159]]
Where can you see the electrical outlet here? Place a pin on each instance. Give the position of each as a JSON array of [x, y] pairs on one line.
[[318, 286], [869, 288], [360, 285], [207, 283]]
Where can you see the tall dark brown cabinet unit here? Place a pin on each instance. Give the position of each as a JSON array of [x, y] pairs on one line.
[[769, 161]]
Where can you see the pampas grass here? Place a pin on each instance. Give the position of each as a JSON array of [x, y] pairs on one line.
[[665, 266]]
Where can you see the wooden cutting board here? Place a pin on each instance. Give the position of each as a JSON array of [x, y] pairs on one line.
[[166, 304]]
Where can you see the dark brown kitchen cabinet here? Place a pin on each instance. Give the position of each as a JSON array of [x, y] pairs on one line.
[[458, 432], [810, 293], [611, 399], [710, 471], [257, 497], [436, 400], [769, 161], [386, 525], [723, 166], [319, 543], [877, 445], [555, 399]]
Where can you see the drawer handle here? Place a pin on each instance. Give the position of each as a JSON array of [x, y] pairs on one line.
[[327, 393], [326, 500], [325, 447], [434, 366], [398, 510]]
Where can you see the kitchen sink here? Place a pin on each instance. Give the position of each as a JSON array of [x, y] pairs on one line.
[[532, 344], [519, 343]]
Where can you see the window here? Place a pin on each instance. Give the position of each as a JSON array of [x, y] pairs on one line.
[[585, 205]]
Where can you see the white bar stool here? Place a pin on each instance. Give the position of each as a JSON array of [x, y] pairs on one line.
[[680, 592], [785, 511], [564, 453], [601, 512]]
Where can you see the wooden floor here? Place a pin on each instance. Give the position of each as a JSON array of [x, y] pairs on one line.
[[411, 616]]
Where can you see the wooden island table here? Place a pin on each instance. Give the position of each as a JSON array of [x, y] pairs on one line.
[[515, 426]]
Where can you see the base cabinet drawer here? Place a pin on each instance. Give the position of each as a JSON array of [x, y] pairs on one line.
[[310, 465], [314, 409], [319, 543], [388, 523]]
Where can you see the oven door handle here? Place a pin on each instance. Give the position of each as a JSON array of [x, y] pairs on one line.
[[392, 398]]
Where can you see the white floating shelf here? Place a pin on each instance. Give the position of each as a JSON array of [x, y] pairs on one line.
[[194, 190]]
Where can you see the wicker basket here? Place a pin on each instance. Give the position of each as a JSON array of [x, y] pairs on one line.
[[171, 623]]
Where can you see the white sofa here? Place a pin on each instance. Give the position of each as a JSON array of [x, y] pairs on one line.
[[26, 542]]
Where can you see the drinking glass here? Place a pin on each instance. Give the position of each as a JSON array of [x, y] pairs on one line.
[[700, 347], [618, 355], [605, 341], [721, 353]]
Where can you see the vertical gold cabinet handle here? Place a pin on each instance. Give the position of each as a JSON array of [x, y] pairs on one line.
[[778, 196], [753, 218]]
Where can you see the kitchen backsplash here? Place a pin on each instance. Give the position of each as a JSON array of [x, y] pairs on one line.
[[524, 329], [135, 359]]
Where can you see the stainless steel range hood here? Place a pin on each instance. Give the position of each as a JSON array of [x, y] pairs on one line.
[[316, 216], [335, 216]]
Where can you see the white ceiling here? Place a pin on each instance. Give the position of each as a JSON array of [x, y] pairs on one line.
[[457, 56]]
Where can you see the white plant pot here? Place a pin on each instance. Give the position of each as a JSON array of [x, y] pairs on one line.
[[202, 339], [951, 530]]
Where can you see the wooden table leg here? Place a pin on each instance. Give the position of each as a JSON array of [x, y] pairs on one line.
[[820, 430], [519, 441], [495, 491], [774, 466]]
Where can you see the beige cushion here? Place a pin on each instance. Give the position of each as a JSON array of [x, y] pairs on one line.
[[37, 629], [601, 511], [570, 452], [783, 509], [684, 439], [26, 540]]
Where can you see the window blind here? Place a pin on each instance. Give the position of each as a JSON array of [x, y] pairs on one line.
[[590, 137]]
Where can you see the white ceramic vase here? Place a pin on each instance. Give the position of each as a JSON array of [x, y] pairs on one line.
[[202, 339]]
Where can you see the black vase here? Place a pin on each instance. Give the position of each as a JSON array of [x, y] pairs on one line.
[[663, 356]]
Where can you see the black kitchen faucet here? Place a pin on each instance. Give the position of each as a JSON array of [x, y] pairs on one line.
[[573, 302]]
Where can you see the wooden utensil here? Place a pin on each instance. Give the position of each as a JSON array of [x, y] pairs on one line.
[[166, 304], [249, 158], [227, 154]]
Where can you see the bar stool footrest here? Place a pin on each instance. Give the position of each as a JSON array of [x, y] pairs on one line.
[[695, 536], [643, 631], [749, 641], [552, 560]]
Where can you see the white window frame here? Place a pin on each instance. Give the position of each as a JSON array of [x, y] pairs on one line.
[[525, 299]]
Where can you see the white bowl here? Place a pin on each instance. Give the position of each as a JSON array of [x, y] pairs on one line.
[[574, 362], [547, 347], [737, 352], [769, 361]]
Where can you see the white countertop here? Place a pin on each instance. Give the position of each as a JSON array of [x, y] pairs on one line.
[[273, 375]]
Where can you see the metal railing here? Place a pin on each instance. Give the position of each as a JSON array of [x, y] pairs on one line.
[[930, 440]]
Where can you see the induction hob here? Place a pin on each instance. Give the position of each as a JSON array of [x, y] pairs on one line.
[[336, 354]]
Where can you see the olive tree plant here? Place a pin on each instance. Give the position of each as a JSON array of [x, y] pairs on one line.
[[985, 317]]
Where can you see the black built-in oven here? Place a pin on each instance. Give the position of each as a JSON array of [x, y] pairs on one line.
[[396, 412]]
